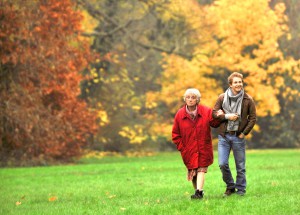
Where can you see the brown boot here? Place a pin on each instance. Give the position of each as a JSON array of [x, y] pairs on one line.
[[228, 192]]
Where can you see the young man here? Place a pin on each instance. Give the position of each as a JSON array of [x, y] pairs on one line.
[[236, 110]]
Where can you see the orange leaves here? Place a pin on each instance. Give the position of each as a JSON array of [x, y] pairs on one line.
[[37, 29], [52, 198], [9, 34], [71, 65], [22, 200], [43, 100], [58, 16]]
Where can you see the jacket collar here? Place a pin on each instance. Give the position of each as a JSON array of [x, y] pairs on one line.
[[185, 115]]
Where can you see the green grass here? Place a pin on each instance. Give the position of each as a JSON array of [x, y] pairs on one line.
[[151, 185]]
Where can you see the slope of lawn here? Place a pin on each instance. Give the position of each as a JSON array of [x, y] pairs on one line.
[[150, 185]]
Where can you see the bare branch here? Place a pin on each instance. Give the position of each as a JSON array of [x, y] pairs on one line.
[[99, 14]]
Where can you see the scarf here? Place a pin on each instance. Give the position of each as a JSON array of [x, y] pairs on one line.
[[192, 113], [233, 104]]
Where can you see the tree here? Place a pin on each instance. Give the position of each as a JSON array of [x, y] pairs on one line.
[[235, 41], [282, 130], [133, 34], [42, 55], [164, 47]]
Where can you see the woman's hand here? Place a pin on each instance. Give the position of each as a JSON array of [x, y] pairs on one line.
[[220, 112]]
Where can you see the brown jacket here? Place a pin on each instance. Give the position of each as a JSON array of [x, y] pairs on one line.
[[248, 115]]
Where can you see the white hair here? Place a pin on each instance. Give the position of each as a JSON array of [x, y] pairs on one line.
[[193, 91]]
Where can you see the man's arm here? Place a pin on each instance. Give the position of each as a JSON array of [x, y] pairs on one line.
[[251, 118], [213, 122], [217, 110]]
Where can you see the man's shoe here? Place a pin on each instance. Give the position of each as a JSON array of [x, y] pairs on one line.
[[241, 192], [198, 194], [228, 192]]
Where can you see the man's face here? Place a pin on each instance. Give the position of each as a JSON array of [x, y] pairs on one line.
[[191, 100], [236, 85]]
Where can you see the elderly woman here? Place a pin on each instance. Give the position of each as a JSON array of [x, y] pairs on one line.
[[192, 135]]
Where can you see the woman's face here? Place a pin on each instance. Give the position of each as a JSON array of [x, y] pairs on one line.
[[190, 100]]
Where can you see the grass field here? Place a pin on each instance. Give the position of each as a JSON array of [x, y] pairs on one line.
[[150, 185]]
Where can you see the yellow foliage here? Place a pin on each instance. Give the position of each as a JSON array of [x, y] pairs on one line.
[[136, 107], [94, 73], [151, 100], [247, 35], [289, 93], [265, 99], [135, 134], [178, 9], [96, 80], [180, 74], [102, 115], [241, 27], [101, 154], [89, 23], [161, 129], [227, 35]]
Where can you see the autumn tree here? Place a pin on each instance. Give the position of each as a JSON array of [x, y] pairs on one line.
[[130, 37], [272, 73], [282, 129], [155, 49], [232, 38], [42, 55]]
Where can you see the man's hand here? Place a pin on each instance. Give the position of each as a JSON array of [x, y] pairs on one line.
[[242, 135], [232, 116]]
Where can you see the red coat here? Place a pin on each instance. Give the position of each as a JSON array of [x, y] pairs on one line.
[[193, 138]]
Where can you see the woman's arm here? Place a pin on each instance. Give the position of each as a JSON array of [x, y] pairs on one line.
[[176, 136]]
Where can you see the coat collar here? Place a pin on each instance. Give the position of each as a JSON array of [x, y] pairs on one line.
[[186, 115]]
